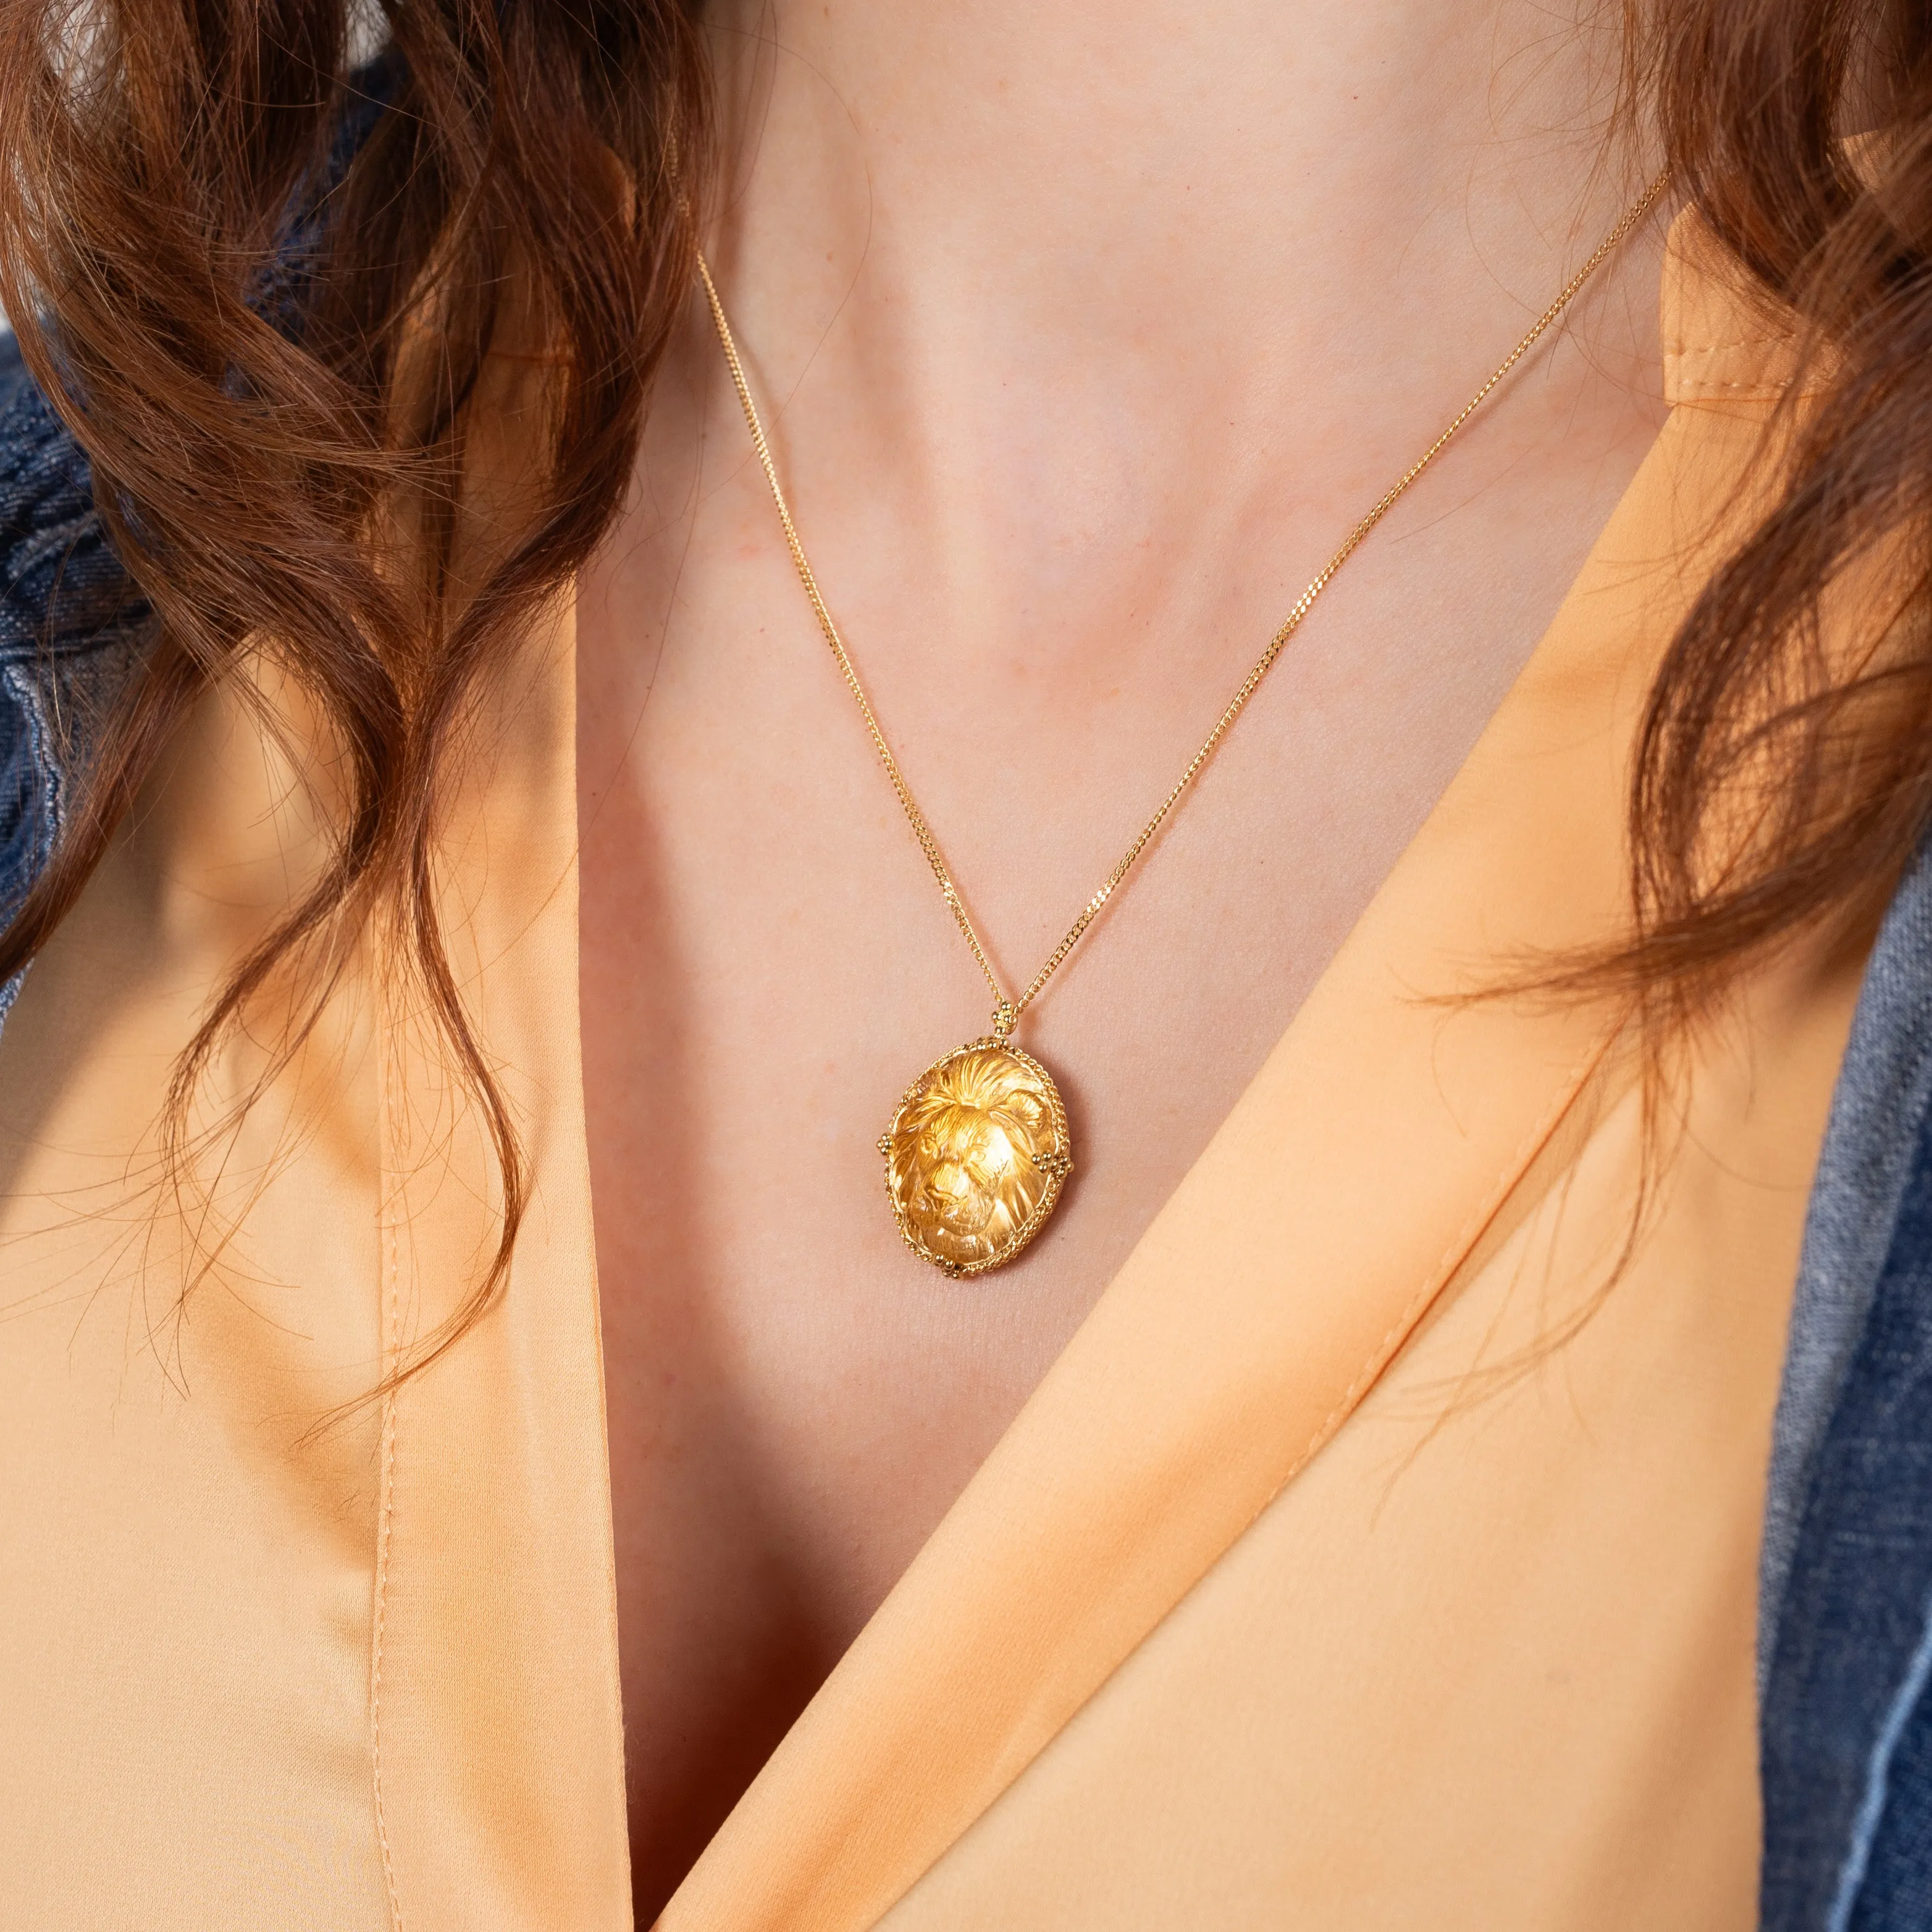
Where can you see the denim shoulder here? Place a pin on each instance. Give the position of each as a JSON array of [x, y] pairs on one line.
[[73, 629], [1845, 1710]]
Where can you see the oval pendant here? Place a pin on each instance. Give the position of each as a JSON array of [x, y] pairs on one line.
[[976, 1156]]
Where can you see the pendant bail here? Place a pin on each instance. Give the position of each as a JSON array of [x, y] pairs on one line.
[[1006, 1017]]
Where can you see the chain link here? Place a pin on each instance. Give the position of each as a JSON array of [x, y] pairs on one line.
[[1007, 1011]]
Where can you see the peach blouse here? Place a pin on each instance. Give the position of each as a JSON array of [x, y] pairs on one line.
[[1362, 1563]]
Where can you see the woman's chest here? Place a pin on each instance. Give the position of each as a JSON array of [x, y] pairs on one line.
[[795, 1398], [767, 960]]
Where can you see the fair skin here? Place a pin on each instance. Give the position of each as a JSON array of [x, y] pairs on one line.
[[1083, 338]]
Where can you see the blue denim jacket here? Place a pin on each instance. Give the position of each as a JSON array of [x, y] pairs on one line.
[[1845, 1620], [71, 629]]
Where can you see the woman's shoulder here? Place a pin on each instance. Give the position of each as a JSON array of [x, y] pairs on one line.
[[73, 625]]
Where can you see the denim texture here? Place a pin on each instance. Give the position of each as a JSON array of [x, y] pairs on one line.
[[71, 629], [1871, 1144], [1845, 1720]]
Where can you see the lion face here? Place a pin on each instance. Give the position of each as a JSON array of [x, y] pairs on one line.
[[972, 1154]]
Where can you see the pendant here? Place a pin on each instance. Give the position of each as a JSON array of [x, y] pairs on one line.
[[976, 1156]]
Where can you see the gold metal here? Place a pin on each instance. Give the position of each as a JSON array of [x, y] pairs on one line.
[[919, 1194], [976, 1156]]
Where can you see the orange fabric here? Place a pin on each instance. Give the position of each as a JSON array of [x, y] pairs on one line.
[[365, 1676], [1487, 1663]]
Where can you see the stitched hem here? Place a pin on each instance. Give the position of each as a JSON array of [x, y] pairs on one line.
[[1718, 348], [385, 1504]]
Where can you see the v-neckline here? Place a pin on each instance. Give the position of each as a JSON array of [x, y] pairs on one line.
[[1362, 1164]]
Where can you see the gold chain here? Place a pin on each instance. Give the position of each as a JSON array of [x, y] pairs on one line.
[[1007, 1012]]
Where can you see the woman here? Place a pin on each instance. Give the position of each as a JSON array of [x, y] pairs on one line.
[[484, 1449]]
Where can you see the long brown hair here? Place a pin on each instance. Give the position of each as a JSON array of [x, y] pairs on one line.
[[1801, 132], [215, 277], [225, 251]]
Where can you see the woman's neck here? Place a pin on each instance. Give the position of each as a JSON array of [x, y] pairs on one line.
[[1069, 287]]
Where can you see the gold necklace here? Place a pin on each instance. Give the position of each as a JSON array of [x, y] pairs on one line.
[[978, 1150]]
